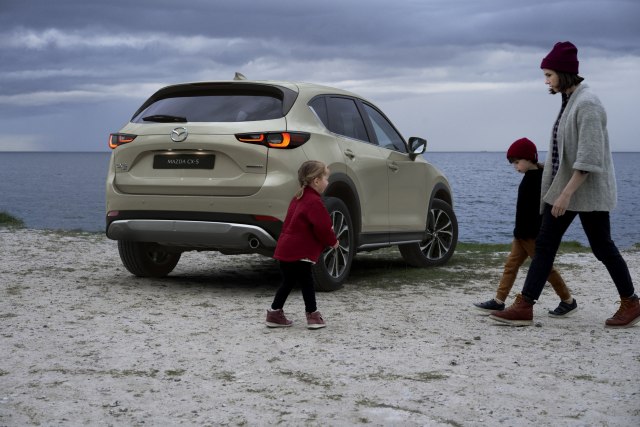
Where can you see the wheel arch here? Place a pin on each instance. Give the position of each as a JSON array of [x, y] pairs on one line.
[[443, 192], [343, 188]]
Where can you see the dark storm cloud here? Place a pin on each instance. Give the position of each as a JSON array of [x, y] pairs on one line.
[[109, 56]]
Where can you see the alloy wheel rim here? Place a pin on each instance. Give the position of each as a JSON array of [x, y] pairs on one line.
[[335, 260], [439, 235]]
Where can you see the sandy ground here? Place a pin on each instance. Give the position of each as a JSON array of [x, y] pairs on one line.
[[82, 342]]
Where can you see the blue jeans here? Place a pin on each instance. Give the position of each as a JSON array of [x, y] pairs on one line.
[[297, 272], [597, 227]]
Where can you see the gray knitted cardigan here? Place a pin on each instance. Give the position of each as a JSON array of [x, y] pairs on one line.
[[583, 144]]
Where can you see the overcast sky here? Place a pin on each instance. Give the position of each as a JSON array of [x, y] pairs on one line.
[[463, 74]]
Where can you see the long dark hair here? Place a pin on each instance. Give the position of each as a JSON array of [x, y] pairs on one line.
[[566, 81]]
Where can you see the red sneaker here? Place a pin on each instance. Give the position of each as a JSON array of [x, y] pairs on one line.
[[277, 319], [315, 321], [519, 314], [627, 315]]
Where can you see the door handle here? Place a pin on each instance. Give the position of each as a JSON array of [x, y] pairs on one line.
[[350, 154], [393, 166]]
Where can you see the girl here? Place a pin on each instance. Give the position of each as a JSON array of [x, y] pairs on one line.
[[306, 232]]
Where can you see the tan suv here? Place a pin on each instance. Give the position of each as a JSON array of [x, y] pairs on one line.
[[213, 166]]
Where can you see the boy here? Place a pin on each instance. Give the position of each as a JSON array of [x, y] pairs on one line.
[[523, 155]]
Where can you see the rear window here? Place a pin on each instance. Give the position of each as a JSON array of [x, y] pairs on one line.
[[215, 108], [222, 103]]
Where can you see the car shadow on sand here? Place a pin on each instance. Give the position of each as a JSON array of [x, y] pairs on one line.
[[258, 272]]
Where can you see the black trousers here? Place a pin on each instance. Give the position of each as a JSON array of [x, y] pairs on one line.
[[597, 227], [297, 272]]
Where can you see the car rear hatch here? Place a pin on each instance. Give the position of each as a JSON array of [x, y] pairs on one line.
[[182, 140]]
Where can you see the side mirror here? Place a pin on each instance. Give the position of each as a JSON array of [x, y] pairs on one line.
[[417, 146]]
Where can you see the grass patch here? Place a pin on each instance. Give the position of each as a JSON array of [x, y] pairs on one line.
[[14, 290], [227, 376], [114, 373], [573, 247], [7, 315], [306, 378], [373, 404], [589, 378], [8, 220], [430, 376], [381, 375], [385, 268], [72, 233]]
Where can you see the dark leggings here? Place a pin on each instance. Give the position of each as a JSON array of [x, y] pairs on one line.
[[597, 227], [297, 272]]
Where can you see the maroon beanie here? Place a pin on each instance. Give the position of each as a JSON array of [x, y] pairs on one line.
[[563, 57], [523, 149]]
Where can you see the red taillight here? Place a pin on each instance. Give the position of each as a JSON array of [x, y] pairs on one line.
[[275, 139], [279, 140], [118, 139]]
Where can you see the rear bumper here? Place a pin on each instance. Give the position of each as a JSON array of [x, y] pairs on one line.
[[221, 236]]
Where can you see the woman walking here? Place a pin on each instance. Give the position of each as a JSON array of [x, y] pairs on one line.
[[578, 180]]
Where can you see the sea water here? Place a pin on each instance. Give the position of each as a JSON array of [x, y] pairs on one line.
[[66, 191]]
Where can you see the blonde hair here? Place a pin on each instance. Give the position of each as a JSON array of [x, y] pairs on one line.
[[308, 171]]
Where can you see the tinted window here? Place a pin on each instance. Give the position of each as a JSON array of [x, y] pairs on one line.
[[345, 119], [319, 106], [215, 108], [385, 132]]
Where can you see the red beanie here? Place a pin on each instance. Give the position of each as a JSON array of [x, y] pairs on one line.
[[563, 57], [523, 149]]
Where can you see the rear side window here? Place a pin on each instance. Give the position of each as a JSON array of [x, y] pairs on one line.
[[212, 108], [319, 106], [345, 119]]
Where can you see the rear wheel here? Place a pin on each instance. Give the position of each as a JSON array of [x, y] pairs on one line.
[[441, 238], [332, 269], [145, 259]]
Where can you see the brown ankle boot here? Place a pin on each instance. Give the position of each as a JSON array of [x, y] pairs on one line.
[[627, 315], [520, 313]]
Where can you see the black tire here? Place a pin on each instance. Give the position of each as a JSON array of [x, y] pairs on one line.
[[441, 238], [144, 259], [334, 265]]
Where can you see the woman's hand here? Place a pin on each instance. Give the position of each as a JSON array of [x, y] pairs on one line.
[[561, 204]]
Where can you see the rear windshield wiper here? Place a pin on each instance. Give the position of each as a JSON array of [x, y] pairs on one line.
[[164, 118]]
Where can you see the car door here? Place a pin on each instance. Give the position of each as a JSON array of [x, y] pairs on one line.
[[408, 187], [366, 166]]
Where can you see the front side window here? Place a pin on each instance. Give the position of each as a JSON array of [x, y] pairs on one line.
[[345, 119], [385, 132]]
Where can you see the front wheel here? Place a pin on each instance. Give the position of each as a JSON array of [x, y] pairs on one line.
[[145, 259], [441, 238], [332, 269]]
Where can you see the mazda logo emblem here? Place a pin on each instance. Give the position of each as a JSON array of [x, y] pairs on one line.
[[179, 134]]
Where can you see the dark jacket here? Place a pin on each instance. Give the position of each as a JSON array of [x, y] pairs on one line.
[[307, 229], [528, 218]]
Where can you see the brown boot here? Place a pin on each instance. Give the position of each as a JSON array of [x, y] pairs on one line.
[[627, 315], [520, 313]]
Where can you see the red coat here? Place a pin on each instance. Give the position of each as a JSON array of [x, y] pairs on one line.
[[307, 229]]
